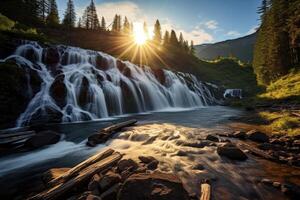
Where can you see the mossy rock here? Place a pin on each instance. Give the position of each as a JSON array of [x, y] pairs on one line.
[[14, 95]]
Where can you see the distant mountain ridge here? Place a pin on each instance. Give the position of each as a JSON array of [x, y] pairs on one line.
[[242, 48]]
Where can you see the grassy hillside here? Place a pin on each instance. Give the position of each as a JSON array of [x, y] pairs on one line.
[[242, 48]]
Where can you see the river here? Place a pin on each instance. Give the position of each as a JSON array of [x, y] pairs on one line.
[[164, 135]]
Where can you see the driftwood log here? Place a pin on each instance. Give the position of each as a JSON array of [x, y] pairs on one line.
[[257, 152], [104, 134], [79, 174], [75, 170], [205, 191], [16, 137]]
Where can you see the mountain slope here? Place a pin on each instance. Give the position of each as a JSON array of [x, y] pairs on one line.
[[242, 48]]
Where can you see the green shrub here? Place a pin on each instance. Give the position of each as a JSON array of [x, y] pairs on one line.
[[5, 23]]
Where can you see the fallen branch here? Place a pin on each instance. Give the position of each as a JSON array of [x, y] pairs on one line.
[[75, 170], [258, 152], [104, 134], [61, 189]]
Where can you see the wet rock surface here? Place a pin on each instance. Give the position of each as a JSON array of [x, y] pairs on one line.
[[231, 151], [42, 139]]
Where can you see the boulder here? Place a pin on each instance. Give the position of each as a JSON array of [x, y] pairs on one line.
[[84, 95], [155, 186], [160, 75], [257, 136], [102, 62], [127, 164], [153, 165], [147, 159], [45, 115], [43, 138], [51, 56], [58, 91], [15, 95], [239, 134], [108, 180], [111, 193], [212, 138], [94, 182], [93, 197], [231, 151]]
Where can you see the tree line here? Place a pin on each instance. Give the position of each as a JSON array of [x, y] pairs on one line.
[[45, 13], [277, 48]]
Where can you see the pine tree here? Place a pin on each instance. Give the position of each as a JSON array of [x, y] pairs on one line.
[[119, 25], [166, 39], [181, 40], [126, 26], [186, 46], [103, 24], [115, 24], [157, 33], [90, 17], [79, 23], [263, 8], [145, 27], [173, 38], [43, 9], [70, 15], [192, 48], [52, 18]]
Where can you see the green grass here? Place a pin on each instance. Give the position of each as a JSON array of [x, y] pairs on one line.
[[281, 122], [287, 87]]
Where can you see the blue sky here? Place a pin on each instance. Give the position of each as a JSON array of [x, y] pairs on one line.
[[203, 21]]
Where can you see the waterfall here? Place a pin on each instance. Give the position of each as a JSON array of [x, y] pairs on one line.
[[79, 84]]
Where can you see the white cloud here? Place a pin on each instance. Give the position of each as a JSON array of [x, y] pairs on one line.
[[135, 14], [233, 33], [211, 24]]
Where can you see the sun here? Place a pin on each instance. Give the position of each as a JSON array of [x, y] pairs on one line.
[[140, 37]]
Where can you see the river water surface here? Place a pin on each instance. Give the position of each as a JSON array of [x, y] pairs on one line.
[[174, 137]]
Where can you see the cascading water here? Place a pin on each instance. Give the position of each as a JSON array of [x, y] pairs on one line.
[[78, 84]]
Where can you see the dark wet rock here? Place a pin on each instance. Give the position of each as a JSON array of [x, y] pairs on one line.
[[231, 151], [147, 159], [268, 146], [277, 141], [84, 96], [108, 180], [102, 62], [160, 75], [296, 143], [111, 193], [257, 136], [156, 186], [293, 191], [51, 56], [239, 134], [153, 165], [127, 164], [212, 138], [276, 184], [130, 102], [84, 195], [182, 153], [198, 167], [45, 115], [93, 197], [15, 91], [94, 182], [43, 138], [58, 91], [267, 181]]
